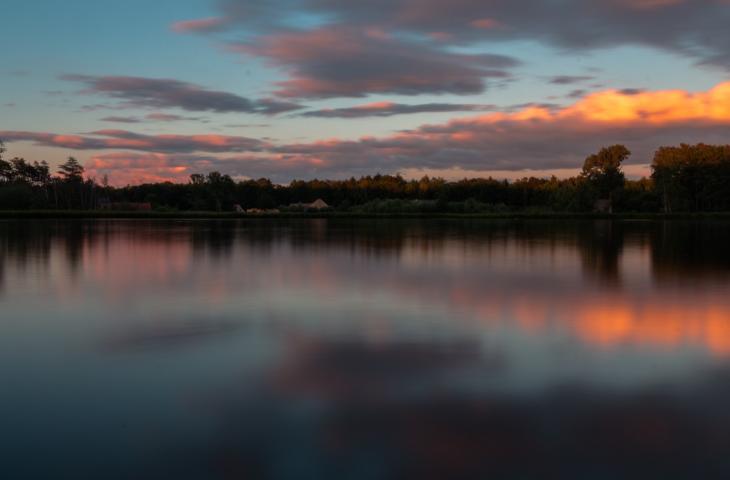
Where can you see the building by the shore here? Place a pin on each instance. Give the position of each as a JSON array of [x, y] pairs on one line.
[[318, 204]]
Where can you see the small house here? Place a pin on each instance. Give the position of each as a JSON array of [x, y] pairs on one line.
[[318, 204]]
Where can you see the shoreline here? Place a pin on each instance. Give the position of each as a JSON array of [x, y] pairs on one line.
[[200, 215]]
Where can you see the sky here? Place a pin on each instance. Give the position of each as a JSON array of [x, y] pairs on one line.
[[145, 91]]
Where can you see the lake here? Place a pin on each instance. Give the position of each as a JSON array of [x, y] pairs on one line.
[[364, 349]]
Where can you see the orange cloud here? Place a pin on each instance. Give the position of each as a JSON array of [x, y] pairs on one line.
[[535, 138], [659, 107], [617, 107]]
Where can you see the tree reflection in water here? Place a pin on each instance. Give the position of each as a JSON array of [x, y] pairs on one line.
[[366, 349]]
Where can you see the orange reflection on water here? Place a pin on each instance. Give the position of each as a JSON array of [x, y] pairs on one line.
[[610, 322], [665, 325]]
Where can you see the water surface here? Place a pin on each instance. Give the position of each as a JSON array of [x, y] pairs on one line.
[[364, 349]]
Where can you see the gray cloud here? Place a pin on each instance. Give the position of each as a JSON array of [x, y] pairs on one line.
[[167, 117], [632, 91], [569, 79], [387, 109], [343, 62], [114, 119], [123, 139], [577, 93], [169, 93], [152, 117], [696, 28]]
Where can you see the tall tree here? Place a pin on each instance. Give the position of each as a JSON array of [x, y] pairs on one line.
[[693, 177], [6, 169], [72, 189], [71, 170], [603, 171]]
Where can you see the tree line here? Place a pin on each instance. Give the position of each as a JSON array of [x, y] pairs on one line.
[[687, 178], [26, 185]]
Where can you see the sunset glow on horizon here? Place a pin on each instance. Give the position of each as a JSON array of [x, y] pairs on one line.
[[331, 89]]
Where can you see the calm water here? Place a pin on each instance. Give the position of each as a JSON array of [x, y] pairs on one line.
[[364, 349]]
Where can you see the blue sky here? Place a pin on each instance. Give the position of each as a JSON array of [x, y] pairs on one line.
[[67, 70]]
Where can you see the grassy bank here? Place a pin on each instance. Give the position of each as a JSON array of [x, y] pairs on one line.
[[106, 214]]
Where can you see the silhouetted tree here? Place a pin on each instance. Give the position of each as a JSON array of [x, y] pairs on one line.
[[197, 179], [693, 177], [71, 170], [603, 171], [685, 177], [6, 168], [71, 190]]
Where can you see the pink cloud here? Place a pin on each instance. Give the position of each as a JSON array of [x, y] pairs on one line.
[[131, 169], [200, 25], [534, 138], [122, 139]]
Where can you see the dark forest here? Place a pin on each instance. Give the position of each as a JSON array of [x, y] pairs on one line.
[[686, 178]]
